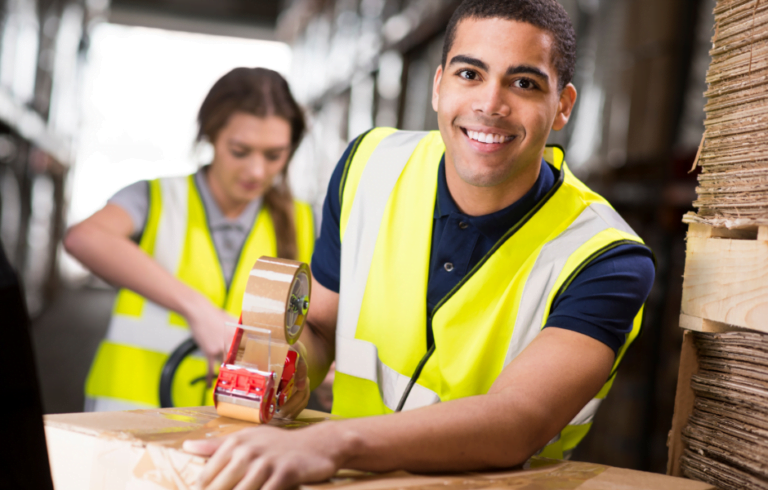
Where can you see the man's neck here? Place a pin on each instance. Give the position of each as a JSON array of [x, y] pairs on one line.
[[229, 208], [479, 201]]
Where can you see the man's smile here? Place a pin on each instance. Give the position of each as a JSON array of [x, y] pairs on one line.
[[487, 140]]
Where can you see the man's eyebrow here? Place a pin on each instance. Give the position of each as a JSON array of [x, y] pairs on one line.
[[514, 70], [460, 58]]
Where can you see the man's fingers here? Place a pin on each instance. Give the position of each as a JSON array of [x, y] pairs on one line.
[[282, 478], [256, 476], [295, 404], [203, 447], [301, 378], [219, 460], [243, 458]]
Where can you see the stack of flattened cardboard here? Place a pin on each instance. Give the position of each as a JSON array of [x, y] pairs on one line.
[[726, 437], [733, 185]]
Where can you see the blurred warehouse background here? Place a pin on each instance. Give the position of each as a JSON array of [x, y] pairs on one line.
[[96, 94]]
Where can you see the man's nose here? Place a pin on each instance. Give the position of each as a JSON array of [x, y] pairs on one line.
[[491, 101]]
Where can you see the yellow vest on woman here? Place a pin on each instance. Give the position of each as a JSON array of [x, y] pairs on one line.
[[125, 373], [388, 199]]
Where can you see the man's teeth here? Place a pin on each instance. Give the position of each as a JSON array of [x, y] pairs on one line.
[[488, 137]]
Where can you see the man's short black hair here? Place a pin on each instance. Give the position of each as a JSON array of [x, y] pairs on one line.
[[544, 14]]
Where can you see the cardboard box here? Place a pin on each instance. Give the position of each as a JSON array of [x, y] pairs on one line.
[[138, 449], [141, 450]]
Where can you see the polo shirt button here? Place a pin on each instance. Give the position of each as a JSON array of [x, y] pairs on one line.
[[463, 225], [448, 266]]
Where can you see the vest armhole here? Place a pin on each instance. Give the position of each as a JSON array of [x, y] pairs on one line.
[[347, 164], [154, 210], [304, 221], [592, 257]]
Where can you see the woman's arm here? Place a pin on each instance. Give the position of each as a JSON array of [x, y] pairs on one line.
[[102, 244]]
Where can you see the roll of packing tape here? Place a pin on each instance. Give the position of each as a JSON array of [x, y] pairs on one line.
[[277, 297]]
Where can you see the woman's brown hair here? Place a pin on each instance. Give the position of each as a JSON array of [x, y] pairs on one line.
[[262, 93]]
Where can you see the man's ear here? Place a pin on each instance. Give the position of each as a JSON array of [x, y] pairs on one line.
[[436, 87], [564, 107]]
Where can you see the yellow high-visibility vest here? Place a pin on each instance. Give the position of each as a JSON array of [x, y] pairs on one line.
[[125, 373], [479, 327]]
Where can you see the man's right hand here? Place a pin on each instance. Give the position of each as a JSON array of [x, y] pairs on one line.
[[300, 397]]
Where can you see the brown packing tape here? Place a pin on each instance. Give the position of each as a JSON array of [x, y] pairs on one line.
[[272, 285], [267, 296]]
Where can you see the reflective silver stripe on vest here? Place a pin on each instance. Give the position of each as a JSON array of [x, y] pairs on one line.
[[151, 330], [587, 413], [140, 332], [104, 404], [550, 262], [356, 357], [362, 357]]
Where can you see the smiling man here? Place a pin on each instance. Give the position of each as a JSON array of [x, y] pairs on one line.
[[475, 295]]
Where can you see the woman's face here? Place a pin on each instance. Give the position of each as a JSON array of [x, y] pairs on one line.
[[249, 152]]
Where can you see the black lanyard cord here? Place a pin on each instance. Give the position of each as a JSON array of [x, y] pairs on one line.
[[414, 378]]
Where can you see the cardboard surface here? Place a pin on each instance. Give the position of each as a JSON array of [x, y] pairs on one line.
[[141, 450], [689, 366], [138, 449], [724, 437]]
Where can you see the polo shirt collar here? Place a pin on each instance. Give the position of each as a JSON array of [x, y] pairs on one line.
[[216, 219], [494, 225]]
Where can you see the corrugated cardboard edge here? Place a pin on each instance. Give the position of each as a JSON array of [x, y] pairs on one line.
[[684, 396]]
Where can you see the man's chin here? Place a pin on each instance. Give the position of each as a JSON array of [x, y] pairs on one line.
[[482, 179]]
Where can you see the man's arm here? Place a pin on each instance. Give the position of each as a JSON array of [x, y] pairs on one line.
[[317, 349], [531, 401], [319, 335]]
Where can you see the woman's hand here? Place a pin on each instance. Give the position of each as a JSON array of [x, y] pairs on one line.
[[209, 329], [268, 458]]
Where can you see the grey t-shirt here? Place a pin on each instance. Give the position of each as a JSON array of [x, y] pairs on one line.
[[229, 235]]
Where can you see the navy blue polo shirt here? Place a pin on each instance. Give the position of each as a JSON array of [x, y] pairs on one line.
[[601, 302]]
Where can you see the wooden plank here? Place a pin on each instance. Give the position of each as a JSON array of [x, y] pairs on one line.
[[726, 280], [762, 234], [696, 324], [684, 398], [702, 230]]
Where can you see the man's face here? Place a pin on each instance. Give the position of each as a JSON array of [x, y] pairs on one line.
[[497, 99]]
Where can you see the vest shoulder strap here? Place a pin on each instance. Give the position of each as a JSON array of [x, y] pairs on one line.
[[377, 178], [172, 222]]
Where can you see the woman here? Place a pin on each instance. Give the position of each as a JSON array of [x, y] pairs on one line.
[[197, 238]]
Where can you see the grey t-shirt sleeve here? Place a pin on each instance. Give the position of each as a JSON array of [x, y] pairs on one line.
[[134, 199]]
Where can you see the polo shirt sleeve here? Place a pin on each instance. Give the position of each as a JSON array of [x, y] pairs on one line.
[[134, 199], [326, 259], [604, 298]]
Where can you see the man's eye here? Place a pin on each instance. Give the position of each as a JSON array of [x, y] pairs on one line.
[[238, 153], [273, 157], [468, 74], [525, 84]]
